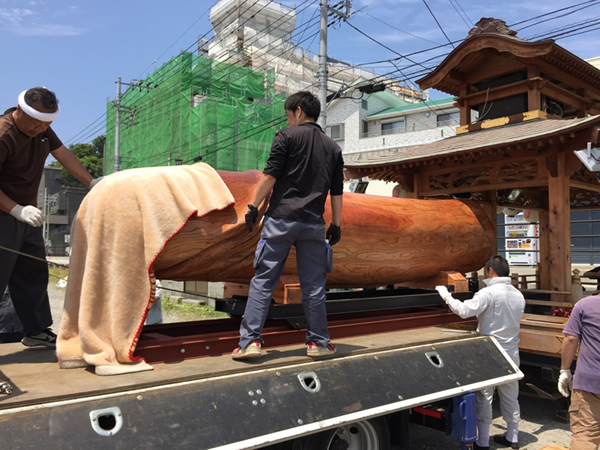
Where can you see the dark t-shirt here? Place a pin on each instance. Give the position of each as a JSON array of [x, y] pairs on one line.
[[308, 165], [22, 160], [584, 323]]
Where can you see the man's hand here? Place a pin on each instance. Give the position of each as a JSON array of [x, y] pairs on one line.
[[565, 382], [251, 216], [94, 182], [28, 214], [334, 234], [443, 291]]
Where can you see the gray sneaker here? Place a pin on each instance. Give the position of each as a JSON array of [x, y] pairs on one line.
[[315, 351], [44, 338]]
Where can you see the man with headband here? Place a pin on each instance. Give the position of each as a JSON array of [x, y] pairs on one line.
[[26, 140]]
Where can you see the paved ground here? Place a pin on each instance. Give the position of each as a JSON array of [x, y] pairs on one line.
[[538, 429]]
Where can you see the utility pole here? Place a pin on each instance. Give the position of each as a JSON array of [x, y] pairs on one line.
[[323, 66], [325, 9], [131, 110], [118, 127]]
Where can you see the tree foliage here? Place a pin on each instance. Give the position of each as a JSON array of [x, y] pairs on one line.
[[90, 155]]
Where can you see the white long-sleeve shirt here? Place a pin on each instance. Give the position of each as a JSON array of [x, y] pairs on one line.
[[499, 308]]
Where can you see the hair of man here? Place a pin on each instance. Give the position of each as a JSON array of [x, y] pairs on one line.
[[42, 96], [306, 101], [499, 265]]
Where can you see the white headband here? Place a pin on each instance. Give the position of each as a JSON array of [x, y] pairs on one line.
[[44, 117]]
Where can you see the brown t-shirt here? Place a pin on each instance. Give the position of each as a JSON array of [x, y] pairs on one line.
[[22, 160]]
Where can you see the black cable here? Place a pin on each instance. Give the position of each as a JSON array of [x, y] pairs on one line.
[[459, 14], [551, 12], [436, 21]]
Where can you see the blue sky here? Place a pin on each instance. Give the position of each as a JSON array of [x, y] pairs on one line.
[[78, 49]]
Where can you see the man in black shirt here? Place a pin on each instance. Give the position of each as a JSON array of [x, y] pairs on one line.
[[303, 167]]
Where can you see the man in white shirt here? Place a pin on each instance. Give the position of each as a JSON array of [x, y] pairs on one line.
[[499, 308]]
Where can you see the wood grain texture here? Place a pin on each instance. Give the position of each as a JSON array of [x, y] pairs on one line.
[[385, 240]]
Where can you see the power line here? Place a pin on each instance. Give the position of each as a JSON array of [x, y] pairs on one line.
[[459, 14], [436, 21], [551, 12]]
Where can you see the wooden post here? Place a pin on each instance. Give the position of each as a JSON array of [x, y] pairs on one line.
[[544, 265], [559, 227], [490, 206]]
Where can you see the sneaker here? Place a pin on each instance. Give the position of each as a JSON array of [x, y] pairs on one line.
[[254, 350], [479, 447], [46, 338], [501, 440], [313, 350]]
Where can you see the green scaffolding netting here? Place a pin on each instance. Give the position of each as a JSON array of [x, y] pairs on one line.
[[195, 108]]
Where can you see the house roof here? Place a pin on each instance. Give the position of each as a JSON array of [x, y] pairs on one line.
[[408, 107], [478, 141]]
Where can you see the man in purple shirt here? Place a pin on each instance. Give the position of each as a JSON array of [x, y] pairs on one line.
[[583, 330]]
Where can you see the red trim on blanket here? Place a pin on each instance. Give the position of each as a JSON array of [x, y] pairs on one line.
[[151, 270]]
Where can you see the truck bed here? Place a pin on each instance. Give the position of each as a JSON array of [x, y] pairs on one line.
[[286, 393]]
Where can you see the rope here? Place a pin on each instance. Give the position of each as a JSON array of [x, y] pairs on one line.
[[208, 297]]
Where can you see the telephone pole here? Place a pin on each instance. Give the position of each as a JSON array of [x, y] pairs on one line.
[[131, 110], [325, 9]]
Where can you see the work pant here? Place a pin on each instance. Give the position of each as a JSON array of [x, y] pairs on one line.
[[585, 420], [509, 405], [27, 278], [277, 238]]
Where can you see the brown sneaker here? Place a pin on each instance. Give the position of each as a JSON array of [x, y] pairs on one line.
[[314, 351], [254, 350]]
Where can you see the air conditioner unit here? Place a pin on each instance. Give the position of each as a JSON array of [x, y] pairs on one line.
[[590, 157]]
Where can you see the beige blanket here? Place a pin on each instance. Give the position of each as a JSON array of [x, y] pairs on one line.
[[121, 227]]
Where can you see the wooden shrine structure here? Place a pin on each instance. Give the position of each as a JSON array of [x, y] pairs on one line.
[[525, 107]]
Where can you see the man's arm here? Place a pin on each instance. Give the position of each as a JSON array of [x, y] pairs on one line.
[[567, 354], [468, 308], [70, 162], [6, 204], [265, 185], [336, 210]]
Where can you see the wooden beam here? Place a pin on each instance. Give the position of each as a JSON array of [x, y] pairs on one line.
[[565, 96], [559, 228], [496, 93], [570, 80], [584, 186]]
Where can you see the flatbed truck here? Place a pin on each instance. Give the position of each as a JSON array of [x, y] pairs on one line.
[[284, 400]]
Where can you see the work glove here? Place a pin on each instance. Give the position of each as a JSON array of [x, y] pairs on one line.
[[251, 216], [95, 181], [28, 214], [334, 234], [444, 293], [565, 382]]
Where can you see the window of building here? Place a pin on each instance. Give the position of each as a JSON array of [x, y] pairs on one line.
[[364, 104], [393, 127], [336, 132], [450, 119], [365, 129]]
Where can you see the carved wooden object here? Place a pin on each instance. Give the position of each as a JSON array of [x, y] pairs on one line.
[[384, 241]]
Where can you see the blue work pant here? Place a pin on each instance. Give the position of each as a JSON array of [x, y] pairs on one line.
[[277, 238]]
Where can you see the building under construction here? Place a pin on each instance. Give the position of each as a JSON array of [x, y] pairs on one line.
[[223, 105]]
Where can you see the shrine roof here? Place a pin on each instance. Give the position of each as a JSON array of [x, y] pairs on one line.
[[472, 142]]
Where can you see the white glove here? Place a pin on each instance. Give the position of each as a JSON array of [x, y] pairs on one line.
[[28, 214], [565, 382], [444, 293], [94, 182]]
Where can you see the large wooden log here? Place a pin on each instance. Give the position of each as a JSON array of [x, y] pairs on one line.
[[385, 240]]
